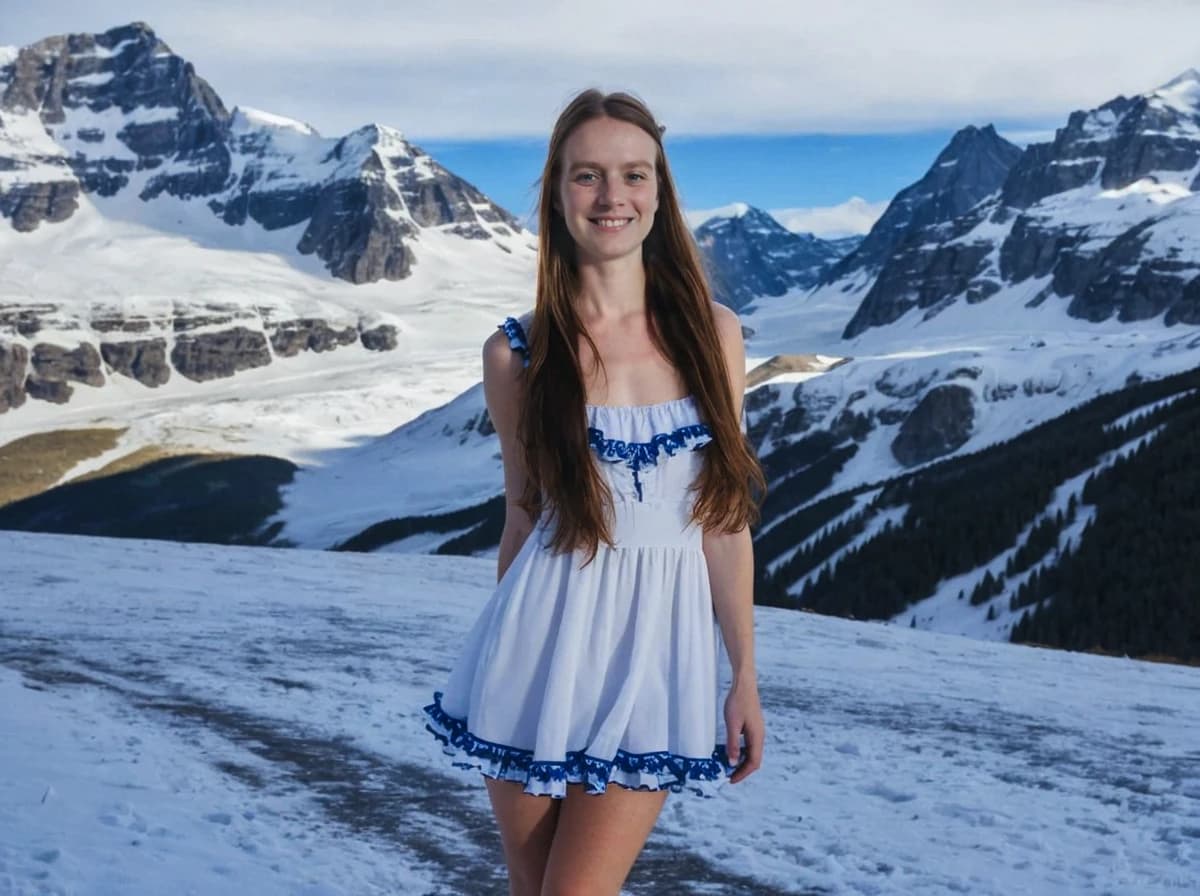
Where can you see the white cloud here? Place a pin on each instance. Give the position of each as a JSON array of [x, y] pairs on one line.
[[852, 217], [476, 69]]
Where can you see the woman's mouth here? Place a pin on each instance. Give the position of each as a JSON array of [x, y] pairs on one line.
[[610, 224]]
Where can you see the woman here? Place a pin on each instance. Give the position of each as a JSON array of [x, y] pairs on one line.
[[625, 563]]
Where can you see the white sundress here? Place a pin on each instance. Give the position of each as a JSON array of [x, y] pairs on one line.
[[610, 672]]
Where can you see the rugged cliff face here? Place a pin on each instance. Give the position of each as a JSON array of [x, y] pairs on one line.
[[973, 165], [118, 129]]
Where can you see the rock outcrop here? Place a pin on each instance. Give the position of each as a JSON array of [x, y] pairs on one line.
[[939, 425]]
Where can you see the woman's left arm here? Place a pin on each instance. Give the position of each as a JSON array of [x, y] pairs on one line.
[[729, 557]]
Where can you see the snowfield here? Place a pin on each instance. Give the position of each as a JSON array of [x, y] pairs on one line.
[[201, 719]]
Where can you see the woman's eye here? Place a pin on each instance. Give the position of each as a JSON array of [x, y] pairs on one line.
[[637, 175], [582, 176]]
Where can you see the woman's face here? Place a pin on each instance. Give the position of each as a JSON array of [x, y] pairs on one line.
[[607, 190]]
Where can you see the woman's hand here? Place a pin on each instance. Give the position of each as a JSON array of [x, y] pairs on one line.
[[743, 716]]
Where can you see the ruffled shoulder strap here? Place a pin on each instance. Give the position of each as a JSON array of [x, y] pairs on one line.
[[516, 337]]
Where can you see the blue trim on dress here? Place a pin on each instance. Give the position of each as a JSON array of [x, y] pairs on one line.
[[638, 455], [516, 337], [514, 764], [635, 455]]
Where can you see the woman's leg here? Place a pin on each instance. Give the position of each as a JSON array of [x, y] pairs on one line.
[[526, 829], [598, 838]]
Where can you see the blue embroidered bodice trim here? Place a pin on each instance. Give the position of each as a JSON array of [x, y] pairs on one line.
[[638, 455], [516, 337], [515, 764]]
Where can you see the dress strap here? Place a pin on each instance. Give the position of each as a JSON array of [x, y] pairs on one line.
[[516, 337]]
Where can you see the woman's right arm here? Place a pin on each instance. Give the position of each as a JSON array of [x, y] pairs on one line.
[[502, 371]]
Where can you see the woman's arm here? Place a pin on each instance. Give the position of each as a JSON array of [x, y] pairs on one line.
[[502, 368], [729, 557]]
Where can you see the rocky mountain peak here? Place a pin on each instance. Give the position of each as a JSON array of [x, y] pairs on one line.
[[743, 217], [974, 164], [128, 68], [1153, 135], [119, 112]]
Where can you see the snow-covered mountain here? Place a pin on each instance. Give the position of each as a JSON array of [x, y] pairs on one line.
[[119, 111], [149, 234], [1102, 221], [748, 254]]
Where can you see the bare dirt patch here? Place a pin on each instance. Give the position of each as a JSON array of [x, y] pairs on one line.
[[31, 464]]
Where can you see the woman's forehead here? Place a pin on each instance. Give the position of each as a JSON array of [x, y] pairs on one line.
[[609, 141]]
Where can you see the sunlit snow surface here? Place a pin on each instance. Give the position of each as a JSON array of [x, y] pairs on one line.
[[202, 719], [130, 258]]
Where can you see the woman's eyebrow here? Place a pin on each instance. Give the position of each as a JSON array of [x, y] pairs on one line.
[[598, 165]]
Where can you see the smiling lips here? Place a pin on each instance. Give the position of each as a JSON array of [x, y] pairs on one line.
[[610, 223]]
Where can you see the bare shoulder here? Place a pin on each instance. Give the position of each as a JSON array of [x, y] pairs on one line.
[[503, 357], [497, 351], [729, 329]]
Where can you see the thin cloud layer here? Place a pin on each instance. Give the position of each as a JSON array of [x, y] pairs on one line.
[[853, 217], [473, 69]]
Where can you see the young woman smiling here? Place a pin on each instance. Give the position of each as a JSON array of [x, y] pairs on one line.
[[590, 687]]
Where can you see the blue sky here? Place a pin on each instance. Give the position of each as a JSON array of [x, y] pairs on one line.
[[785, 104]]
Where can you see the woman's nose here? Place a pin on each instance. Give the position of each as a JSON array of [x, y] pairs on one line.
[[611, 194]]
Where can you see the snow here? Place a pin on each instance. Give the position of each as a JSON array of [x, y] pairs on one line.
[[732, 210], [166, 257], [249, 118], [93, 80], [194, 713], [38, 158], [107, 52], [1181, 93]]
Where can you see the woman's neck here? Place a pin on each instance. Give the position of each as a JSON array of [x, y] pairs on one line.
[[611, 290]]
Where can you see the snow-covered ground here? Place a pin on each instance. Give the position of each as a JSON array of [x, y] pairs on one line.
[[202, 719]]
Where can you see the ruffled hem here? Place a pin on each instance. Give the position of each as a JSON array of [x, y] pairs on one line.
[[635, 771]]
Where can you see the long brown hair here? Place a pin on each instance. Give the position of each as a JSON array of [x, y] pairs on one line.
[[552, 426]]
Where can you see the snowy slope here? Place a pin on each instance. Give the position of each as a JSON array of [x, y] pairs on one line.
[[196, 714]]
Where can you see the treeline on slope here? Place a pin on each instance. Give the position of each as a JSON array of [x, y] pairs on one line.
[[962, 513], [482, 524], [1133, 583]]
